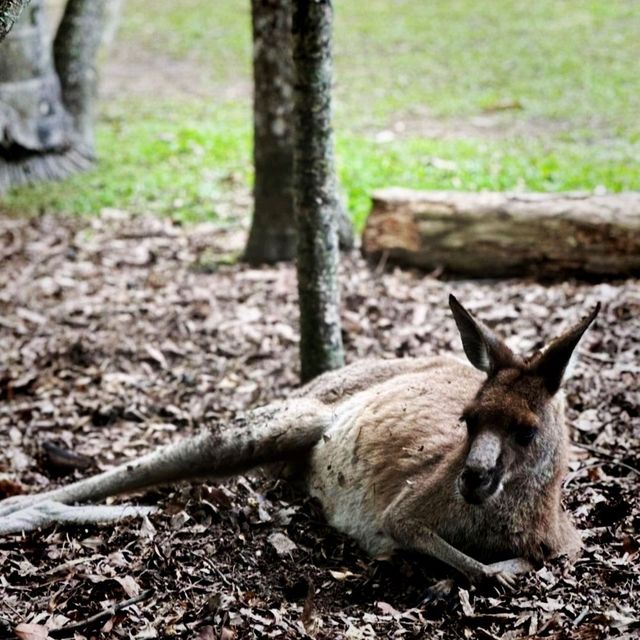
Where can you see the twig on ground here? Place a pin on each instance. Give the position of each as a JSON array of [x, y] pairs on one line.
[[612, 457], [62, 632]]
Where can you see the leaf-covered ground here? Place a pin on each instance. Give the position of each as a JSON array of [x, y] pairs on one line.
[[118, 335]]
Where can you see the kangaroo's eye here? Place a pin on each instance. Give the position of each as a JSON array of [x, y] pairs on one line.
[[525, 436]]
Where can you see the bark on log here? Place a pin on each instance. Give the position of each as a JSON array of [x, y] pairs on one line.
[[507, 234]]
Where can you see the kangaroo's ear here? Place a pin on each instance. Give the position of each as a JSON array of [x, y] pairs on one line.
[[484, 349], [553, 362]]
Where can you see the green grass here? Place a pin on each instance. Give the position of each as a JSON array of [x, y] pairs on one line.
[[476, 165], [560, 60], [173, 159], [571, 60], [569, 68]]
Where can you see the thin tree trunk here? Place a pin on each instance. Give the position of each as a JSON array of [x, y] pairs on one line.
[[75, 51], [273, 235], [315, 196], [9, 13]]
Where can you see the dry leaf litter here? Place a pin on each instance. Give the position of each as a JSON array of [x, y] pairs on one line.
[[121, 334]]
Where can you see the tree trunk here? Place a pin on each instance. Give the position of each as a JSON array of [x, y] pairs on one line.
[[75, 50], [315, 196], [39, 138], [9, 13], [502, 234], [35, 129], [272, 237]]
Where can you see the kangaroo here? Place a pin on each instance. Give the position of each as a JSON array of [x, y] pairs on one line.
[[463, 463]]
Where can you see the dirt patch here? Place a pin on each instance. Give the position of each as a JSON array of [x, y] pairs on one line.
[[119, 335], [499, 124], [133, 71]]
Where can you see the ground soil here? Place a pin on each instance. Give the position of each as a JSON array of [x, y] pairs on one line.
[[118, 335]]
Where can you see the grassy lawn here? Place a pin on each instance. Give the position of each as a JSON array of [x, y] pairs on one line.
[[449, 94]]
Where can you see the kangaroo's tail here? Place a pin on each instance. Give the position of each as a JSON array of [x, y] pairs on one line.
[[278, 431]]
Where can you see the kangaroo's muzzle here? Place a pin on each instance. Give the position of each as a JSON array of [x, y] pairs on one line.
[[483, 471]]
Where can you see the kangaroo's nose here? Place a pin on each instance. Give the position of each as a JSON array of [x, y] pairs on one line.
[[476, 478]]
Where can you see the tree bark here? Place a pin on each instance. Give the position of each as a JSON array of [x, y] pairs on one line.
[[35, 129], [113, 16], [9, 13], [502, 234], [39, 138], [75, 51], [315, 196], [272, 237]]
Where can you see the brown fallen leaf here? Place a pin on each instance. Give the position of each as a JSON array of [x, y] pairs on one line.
[[9, 487], [156, 355], [340, 576], [129, 585], [310, 620], [26, 631], [58, 459], [467, 607], [630, 545], [282, 544], [388, 610], [506, 104]]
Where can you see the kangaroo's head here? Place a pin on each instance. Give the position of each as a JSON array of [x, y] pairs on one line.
[[515, 426]]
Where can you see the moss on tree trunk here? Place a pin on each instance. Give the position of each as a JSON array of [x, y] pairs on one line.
[[316, 200]]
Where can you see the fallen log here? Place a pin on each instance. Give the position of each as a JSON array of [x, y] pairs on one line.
[[492, 235]]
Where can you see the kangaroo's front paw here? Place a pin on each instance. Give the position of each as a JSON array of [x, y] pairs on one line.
[[489, 574], [504, 577], [504, 572]]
